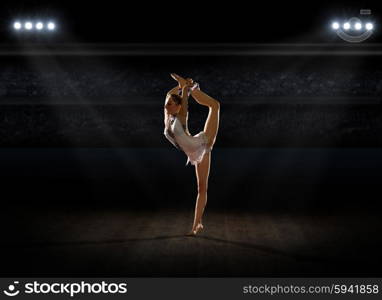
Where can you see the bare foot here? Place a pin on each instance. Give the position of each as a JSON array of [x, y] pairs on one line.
[[182, 82], [194, 231]]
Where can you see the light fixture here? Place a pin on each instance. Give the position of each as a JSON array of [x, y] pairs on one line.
[[39, 25], [358, 26], [28, 25], [51, 26], [354, 29], [369, 26], [17, 25], [335, 25]]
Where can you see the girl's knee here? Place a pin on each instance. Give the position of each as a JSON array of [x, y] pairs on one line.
[[216, 104]]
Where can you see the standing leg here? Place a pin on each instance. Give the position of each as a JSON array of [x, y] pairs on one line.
[[202, 172], [203, 168]]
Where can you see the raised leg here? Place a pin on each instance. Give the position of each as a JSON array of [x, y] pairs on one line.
[[212, 123]]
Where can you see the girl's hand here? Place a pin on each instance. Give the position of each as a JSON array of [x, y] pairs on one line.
[[182, 82], [189, 82]]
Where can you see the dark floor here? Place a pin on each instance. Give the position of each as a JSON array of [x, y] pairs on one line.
[[151, 243], [123, 212]]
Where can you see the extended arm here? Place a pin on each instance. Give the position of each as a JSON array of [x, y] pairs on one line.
[[182, 90], [183, 113], [174, 90], [185, 94], [184, 108]]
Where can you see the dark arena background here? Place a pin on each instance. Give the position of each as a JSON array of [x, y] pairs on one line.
[[91, 187]]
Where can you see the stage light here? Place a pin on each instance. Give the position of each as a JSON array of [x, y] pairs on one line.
[[358, 26], [17, 25], [28, 25], [369, 26], [33, 26], [51, 26], [39, 25], [335, 25], [354, 29]]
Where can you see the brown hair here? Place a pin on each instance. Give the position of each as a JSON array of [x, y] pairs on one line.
[[177, 99]]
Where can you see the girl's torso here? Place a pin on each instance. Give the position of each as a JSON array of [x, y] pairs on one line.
[[193, 146], [177, 135]]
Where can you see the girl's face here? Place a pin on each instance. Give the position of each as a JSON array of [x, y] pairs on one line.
[[171, 106]]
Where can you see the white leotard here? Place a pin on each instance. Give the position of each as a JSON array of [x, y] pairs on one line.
[[193, 146]]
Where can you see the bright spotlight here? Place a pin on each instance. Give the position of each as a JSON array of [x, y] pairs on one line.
[[335, 25], [17, 25], [28, 25], [51, 26], [39, 25], [369, 26], [346, 25], [358, 26]]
